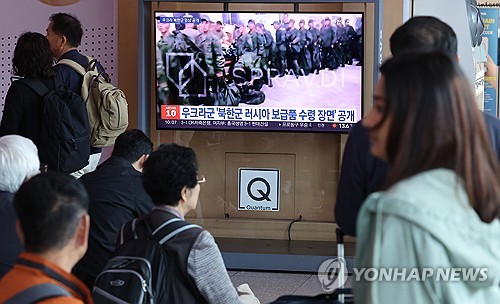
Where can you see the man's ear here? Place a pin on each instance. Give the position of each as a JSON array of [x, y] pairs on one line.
[[139, 164], [82, 232], [19, 231], [142, 160], [64, 40], [185, 192]]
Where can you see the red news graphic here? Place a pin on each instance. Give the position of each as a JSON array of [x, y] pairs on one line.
[[170, 112]]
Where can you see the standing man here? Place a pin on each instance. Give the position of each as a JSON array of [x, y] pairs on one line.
[[280, 50], [116, 197], [64, 33], [327, 38], [268, 49], [305, 38], [54, 226], [161, 49], [350, 36], [211, 47], [292, 48], [339, 47], [313, 46]]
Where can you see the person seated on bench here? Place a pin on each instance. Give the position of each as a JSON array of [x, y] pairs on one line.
[[54, 226]]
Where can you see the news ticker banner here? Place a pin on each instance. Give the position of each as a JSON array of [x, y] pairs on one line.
[[490, 14], [213, 117]]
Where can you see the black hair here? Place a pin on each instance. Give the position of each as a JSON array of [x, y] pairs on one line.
[[49, 207], [32, 56], [424, 33], [68, 26], [132, 144], [167, 171]]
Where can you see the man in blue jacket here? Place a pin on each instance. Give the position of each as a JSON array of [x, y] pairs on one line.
[[64, 33], [361, 173]]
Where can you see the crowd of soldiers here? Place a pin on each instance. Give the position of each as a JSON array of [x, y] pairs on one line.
[[196, 46], [258, 55], [301, 51]]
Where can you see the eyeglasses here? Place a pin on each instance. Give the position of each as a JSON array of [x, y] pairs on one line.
[[201, 179]]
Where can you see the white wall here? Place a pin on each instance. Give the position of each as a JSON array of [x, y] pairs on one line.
[[98, 18]]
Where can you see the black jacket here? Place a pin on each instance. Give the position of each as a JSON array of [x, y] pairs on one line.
[[116, 197], [362, 173], [22, 111]]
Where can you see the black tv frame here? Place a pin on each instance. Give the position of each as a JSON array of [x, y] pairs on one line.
[[145, 39], [299, 126]]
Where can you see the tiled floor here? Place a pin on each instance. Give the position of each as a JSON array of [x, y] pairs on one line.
[[268, 286]]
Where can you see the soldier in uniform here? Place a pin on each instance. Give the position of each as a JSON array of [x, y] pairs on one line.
[[268, 49], [162, 91], [257, 39], [292, 48], [340, 43], [313, 47], [211, 47], [326, 40], [305, 38], [242, 40], [350, 40], [279, 54]]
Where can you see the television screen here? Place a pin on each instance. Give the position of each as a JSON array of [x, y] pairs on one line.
[[299, 72]]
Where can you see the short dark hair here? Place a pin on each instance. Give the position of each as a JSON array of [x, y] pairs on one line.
[[49, 207], [219, 23], [68, 26], [32, 56], [424, 33], [167, 170], [436, 124], [132, 144]]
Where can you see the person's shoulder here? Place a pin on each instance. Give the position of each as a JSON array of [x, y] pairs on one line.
[[492, 123], [359, 134]]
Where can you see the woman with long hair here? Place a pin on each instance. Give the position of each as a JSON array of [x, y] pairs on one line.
[[22, 110], [433, 236]]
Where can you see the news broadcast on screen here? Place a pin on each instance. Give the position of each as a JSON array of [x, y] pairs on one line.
[[299, 72]]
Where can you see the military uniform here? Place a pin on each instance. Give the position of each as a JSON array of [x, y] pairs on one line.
[[293, 50], [162, 90], [313, 48], [243, 44], [350, 43], [327, 38], [305, 59], [279, 58], [211, 48]]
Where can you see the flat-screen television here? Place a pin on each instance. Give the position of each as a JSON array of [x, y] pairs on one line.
[[299, 72]]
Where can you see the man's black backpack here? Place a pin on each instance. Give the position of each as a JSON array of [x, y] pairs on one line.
[[64, 136], [142, 270]]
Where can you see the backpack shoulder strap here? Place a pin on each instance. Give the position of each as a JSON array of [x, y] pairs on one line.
[[170, 229], [127, 232], [74, 65], [54, 275], [38, 293], [36, 85]]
